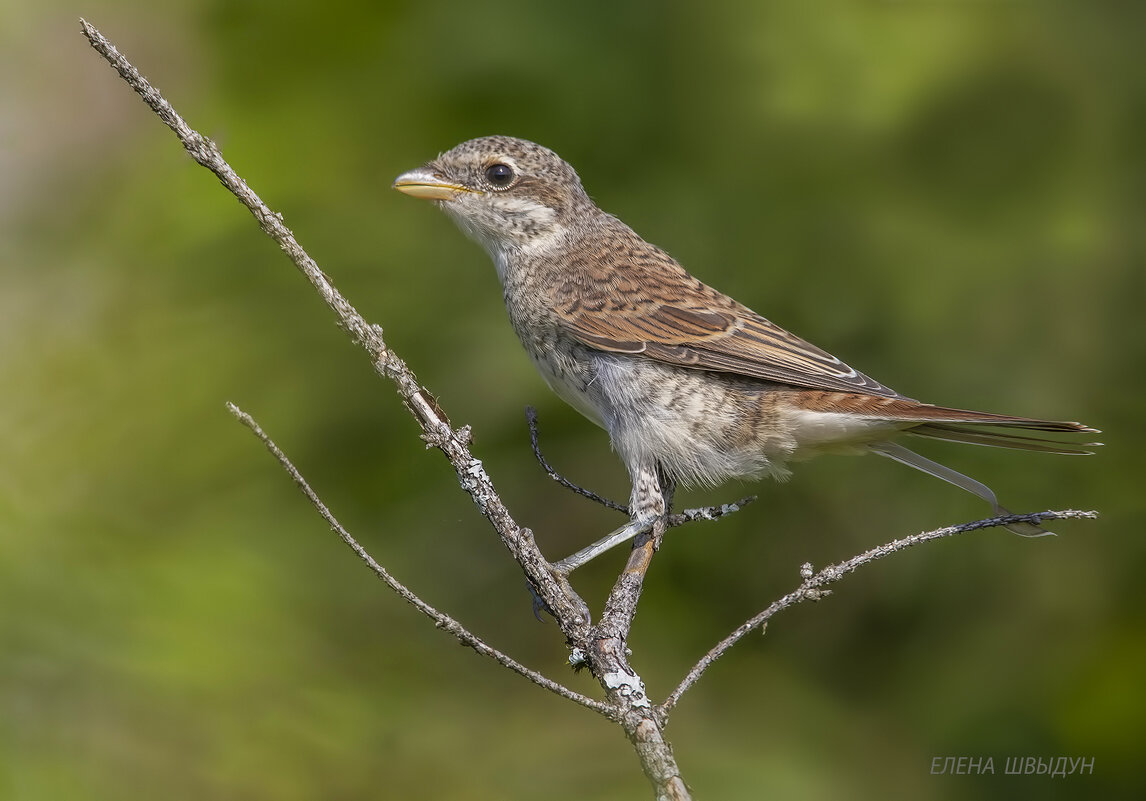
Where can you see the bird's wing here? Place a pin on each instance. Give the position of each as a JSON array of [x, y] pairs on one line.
[[649, 305]]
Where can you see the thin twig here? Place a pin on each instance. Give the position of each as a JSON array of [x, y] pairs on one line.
[[531, 417], [814, 584], [676, 519], [708, 512], [441, 620]]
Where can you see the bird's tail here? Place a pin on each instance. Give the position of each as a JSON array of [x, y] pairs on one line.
[[955, 425], [967, 432], [983, 428]]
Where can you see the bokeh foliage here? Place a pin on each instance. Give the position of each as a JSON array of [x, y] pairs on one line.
[[947, 194]]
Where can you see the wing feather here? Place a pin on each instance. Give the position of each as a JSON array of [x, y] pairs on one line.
[[703, 329]]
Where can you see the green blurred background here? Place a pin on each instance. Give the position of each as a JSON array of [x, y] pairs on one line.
[[947, 194]]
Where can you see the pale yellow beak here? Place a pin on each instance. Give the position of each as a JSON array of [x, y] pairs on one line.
[[425, 184]]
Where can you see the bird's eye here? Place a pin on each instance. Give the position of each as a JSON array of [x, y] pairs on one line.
[[500, 175]]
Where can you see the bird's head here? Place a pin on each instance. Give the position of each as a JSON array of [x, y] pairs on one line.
[[506, 193]]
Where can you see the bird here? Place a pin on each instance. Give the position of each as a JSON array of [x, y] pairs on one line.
[[693, 387]]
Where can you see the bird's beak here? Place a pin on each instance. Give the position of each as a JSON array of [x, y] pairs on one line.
[[428, 185]]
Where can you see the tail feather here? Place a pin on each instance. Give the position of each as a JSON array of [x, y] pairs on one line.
[[955, 432], [905, 410], [902, 455], [900, 409], [909, 416]]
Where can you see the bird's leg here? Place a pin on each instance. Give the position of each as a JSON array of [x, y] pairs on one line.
[[610, 540], [648, 503], [668, 489]]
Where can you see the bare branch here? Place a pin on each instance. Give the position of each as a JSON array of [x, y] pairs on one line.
[[441, 620], [814, 584], [553, 590], [569, 610]]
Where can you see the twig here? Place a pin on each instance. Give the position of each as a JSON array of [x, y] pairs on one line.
[[708, 512], [441, 620], [814, 584], [677, 519], [531, 416]]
